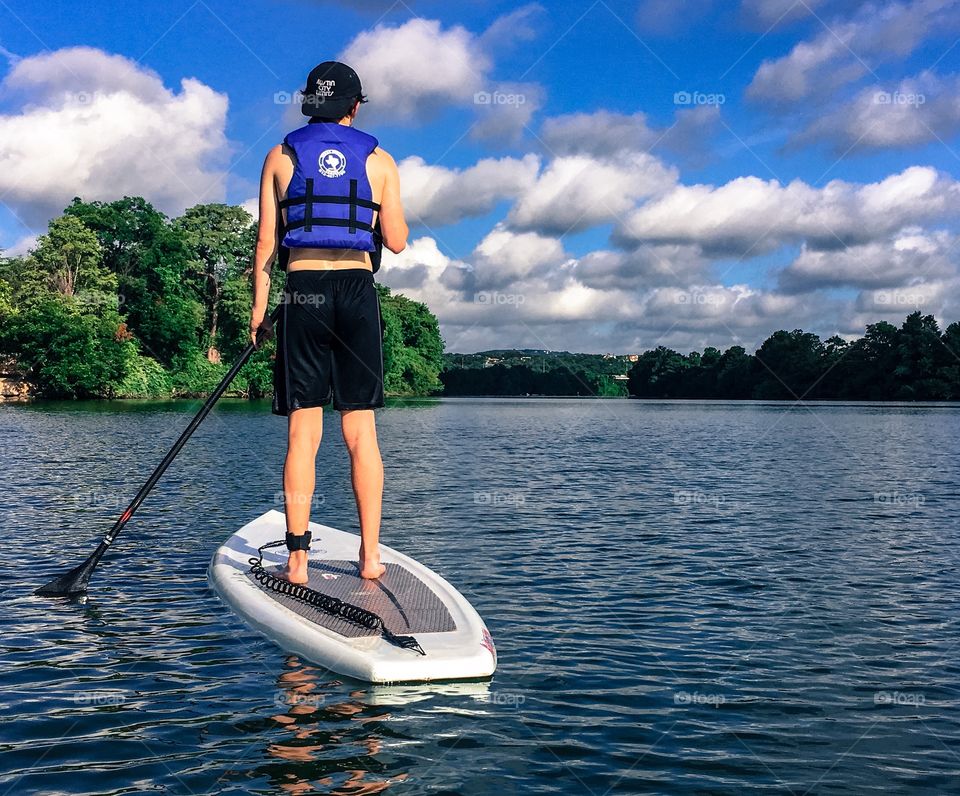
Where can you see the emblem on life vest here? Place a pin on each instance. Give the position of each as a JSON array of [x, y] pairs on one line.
[[332, 163]]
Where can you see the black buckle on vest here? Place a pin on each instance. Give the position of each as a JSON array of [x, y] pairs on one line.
[[301, 542]]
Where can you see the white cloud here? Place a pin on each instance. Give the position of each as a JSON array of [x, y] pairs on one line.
[[523, 24], [434, 195], [846, 50], [644, 267], [523, 290], [935, 297], [252, 206], [575, 317], [813, 69], [749, 216], [725, 310], [418, 271], [914, 111], [21, 246], [410, 70], [519, 287], [911, 257], [915, 194], [576, 192], [780, 12], [421, 252], [504, 110], [605, 134], [52, 78], [504, 257], [99, 126], [511, 293], [600, 134]]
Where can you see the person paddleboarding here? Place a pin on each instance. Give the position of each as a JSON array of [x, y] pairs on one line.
[[329, 199]]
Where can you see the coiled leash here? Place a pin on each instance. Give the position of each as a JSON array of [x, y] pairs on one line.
[[324, 602]]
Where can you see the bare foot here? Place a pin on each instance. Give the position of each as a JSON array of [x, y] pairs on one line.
[[296, 569], [371, 569]]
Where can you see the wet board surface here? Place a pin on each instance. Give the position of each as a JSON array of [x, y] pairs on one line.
[[404, 602], [412, 599]]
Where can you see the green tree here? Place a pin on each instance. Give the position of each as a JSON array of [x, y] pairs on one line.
[[788, 365], [657, 373], [949, 358], [117, 300], [6, 300], [69, 255], [68, 353], [703, 379], [735, 377], [835, 349], [867, 369], [917, 373], [412, 346], [157, 291], [219, 239]]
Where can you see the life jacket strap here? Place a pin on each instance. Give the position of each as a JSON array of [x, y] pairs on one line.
[[353, 225], [310, 198]]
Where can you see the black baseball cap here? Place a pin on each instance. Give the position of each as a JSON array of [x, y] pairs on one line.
[[332, 88]]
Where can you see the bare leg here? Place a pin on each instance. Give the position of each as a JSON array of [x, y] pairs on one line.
[[366, 473], [304, 430]]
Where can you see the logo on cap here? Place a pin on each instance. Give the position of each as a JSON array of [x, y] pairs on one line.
[[326, 88], [332, 163]]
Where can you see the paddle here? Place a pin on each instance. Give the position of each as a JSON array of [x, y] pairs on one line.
[[75, 581]]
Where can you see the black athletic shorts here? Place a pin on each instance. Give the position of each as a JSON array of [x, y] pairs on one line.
[[329, 342]]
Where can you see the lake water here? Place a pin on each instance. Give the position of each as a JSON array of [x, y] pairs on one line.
[[686, 597]]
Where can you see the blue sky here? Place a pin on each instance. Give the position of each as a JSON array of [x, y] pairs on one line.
[[678, 173]]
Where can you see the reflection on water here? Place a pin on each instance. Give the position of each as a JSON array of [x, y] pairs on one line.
[[325, 719], [309, 705], [685, 597]]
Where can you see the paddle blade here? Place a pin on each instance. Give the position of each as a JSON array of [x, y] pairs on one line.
[[74, 582]]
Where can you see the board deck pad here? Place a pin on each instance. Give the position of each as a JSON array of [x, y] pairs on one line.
[[404, 602]]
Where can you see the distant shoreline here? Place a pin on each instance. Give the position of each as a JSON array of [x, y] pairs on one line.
[[236, 399]]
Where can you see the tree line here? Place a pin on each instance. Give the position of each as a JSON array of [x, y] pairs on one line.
[[532, 372], [116, 300], [915, 362]]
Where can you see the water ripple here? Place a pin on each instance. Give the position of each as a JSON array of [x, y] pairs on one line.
[[686, 598]]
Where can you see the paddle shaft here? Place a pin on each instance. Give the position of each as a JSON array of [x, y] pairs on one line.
[[187, 432], [76, 580]]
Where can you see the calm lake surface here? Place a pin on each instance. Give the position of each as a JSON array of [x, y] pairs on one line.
[[686, 597]]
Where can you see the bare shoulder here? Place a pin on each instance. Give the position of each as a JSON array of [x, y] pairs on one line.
[[276, 155], [384, 159]]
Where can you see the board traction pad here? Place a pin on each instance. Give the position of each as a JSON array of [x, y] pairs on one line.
[[404, 602]]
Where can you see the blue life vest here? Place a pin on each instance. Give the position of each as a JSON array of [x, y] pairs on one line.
[[329, 202]]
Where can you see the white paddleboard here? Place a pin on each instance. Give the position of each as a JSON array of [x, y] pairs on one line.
[[410, 598]]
